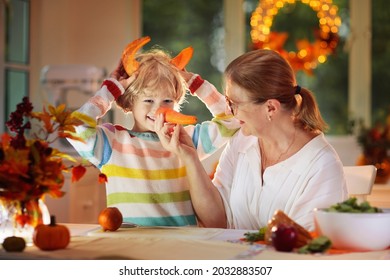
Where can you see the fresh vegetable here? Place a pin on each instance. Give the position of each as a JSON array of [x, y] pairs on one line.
[[14, 244], [131, 64], [284, 237], [317, 245], [182, 59], [52, 236], [279, 217], [110, 219], [173, 116], [255, 236], [351, 206], [128, 60]]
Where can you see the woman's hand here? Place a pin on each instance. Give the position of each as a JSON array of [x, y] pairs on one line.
[[121, 76]]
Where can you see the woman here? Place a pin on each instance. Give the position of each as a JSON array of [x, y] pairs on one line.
[[278, 160]]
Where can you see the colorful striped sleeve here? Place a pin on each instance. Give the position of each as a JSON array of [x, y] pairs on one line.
[[96, 139]]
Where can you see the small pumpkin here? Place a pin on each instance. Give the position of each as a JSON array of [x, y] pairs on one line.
[[14, 244], [52, 236], [110, 219]]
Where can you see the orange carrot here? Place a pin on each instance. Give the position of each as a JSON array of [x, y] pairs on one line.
[[128, 61], [172, 116], [182, 59]]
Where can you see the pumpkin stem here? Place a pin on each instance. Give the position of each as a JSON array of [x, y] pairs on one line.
[[52, 220]]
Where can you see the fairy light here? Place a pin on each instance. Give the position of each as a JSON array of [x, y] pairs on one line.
[[308, 57]]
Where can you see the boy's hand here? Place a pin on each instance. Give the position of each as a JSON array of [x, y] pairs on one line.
[[121, 76], [186, 75]]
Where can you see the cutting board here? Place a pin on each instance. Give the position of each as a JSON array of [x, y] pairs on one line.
[[160, 232]]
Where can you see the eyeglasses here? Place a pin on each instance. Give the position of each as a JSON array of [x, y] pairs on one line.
[[234, 106]]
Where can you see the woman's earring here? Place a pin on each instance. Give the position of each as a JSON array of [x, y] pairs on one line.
[[269, 118]]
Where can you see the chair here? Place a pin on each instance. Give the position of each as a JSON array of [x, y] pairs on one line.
[[360, 180]]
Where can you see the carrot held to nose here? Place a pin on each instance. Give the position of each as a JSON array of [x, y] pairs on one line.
[[172, 116]]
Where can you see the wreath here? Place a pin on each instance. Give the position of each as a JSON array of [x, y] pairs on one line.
[[308, 54]]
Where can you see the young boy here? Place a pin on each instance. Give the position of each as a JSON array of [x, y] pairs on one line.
[[145, 182]]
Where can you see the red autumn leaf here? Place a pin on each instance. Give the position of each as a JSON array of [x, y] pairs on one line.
[[22, 219], [102, 178], [78, 172]]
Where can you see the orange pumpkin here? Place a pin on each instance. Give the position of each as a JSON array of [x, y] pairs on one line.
[[110, 219], [183, 58], [128, 61], [52, 236]]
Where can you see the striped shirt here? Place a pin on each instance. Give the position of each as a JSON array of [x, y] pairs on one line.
[[146, 182]]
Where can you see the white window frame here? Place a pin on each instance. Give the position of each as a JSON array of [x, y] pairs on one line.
[[2, 64]]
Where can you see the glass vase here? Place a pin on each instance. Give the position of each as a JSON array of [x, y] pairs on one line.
[[19, 218]]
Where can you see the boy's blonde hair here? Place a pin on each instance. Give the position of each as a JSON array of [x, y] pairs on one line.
[[155, 71]]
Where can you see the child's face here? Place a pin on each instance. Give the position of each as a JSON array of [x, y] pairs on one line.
[[145, 107]]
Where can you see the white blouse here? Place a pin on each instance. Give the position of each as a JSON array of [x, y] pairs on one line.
[[311, 178]]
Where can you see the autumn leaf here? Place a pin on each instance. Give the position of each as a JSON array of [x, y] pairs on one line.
[[78, 172], [86, 119], [55, 193], [57, 153], [277, 40], [55, 111], [72, 136], [16, 162], [46, 118], [5, 140], [102, 178], [30, 167], [22, 219]]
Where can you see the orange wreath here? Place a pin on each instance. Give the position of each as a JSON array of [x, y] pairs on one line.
[[308, 54]]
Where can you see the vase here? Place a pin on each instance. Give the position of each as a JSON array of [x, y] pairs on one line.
[[19, 218]]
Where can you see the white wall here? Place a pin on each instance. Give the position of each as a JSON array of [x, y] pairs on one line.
[[80, 32], [347, 147]]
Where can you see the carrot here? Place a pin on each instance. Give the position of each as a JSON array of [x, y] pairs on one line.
[[182, 59], [172, 116], [128, 61]]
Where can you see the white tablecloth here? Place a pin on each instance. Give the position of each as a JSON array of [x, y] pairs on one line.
[[160, 243]]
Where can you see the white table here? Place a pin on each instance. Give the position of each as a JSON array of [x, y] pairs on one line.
[[89, 242]]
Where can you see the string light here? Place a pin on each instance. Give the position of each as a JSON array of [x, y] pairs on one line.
[[308, 54]]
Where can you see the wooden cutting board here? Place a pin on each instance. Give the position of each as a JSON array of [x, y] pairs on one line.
[[159, 232]]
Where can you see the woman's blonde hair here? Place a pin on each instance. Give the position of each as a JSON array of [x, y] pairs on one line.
[[155, 71], [265, 74]]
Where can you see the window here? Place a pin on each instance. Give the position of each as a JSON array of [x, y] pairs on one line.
[[329, 81], [380, 61], [201, 25], [14, 47], [177, 24]]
